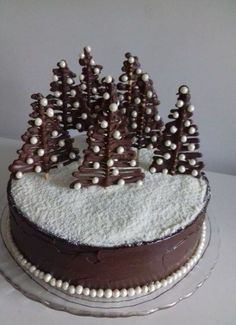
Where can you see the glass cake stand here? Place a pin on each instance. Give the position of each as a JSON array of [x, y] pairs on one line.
[[158, 300]]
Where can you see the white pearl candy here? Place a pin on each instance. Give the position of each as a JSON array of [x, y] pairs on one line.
[[96, 149], [181, 169], [108, 79], [57, 93], [69, 81], [157, 118], [84, 116], [73, 93], [148, 111], [76, 104], [173, 146], [149, 94], [88, 49], [147, 129], [182, 157], [78, 126], [131, 292], [154, 138], [55, 78], [108, 293], [59, 102], [61, 143], [110, 162], [113, 107], [38, 169], [159, 161], [29, 161], [104, 124], [38, 121], [134, 114], [145, 77], [95, 180], [167, 143], [191, 147], [167, 156], [137, 100], [165, 171], [115, 172], [173, 129], [69, 119], [94, 90], [134, 125], [92, 62], [116, 293], [123, 293], [93, 293], [106, 96], [19, 175], [121, 182], [194, 172], [78, 289], [191, 108], [43, 101], [131, 59], [100, 293], [153, 170], [192, 162], [124, 78], [40, 152], [191, 130], [139, 182], [47, 277], [187, 123], [50, 112], [83, 87], [33, 140], [72, 155], [53, 158], [59, 117], [175, 114], [62, 64], [77, 186], [183, 138], [138, 71], [116, 135], [183, 90], [120, 150], [96, 165], [71, 290], [96, 71], [133, 163], [179, 103], [54, 133]]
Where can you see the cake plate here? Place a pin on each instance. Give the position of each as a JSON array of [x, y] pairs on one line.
[[157, 300]]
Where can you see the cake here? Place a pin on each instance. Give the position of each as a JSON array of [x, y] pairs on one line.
[[120, 210]]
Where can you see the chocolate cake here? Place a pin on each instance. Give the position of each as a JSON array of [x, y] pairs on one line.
[[130, 220]]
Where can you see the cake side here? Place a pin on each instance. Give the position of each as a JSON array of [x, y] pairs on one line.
[[99, 267]]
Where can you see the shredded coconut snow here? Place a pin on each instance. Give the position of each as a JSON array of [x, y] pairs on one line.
[[111, 216]]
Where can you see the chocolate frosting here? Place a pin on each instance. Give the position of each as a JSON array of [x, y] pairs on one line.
[[101, 267]]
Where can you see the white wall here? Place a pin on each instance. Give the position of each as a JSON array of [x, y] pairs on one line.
[[178, 41]]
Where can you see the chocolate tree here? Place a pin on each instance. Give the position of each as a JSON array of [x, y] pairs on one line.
[[128, 81], [46, 145], [177, 150], [146, 124], [89, 83], [109, 158], [64, 94]]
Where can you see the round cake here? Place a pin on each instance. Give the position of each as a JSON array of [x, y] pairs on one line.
[[107, 238]]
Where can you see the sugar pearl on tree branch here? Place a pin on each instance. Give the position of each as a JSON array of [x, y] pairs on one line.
[[59, 102], [192, 162], [191, 108], [131, 60], [55, 78], [38, 169], [78, 126], [153, 170], [53, 158], [183, 90], [43, 101], [183, 138], [61, 143], [108, 79], [38, 121], [159, 161], [116, 135], [145, 77], [194, 172], [110, 162], [73, 92], [106, 96], [95, 180], [133, 163], [72, 155], [62, 64], [179, 103], [120, 150], [124, 78], [104, 124], [165, 171], [137, 100], [121, 182], [187, 123], [173, 129], [96, 165], [96, 149], [113, 107], [84, 116], [167, 156], [115, 172], [40, 152], [54, 133], [50, 112], [96, 71], [191, 130], [167, 143], [69, 81], [57, 93], [181, 169], [19, 174], [191, 147], [182, 157], [77, 186], [33, 140], [88, 49], [29, 161]]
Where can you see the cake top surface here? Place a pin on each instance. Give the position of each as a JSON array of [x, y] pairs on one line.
[[113, 216]]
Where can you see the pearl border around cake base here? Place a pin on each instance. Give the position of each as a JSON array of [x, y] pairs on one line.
[[169, 294]]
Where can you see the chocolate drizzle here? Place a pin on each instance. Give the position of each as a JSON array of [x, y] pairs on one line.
[[109, 158], [177, 149], [46, 143]]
